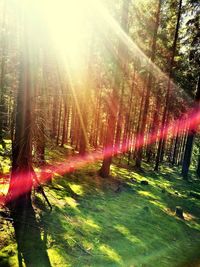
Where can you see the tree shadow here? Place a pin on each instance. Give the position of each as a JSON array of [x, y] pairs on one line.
[[31, 247], [94, 230], [4, 261]]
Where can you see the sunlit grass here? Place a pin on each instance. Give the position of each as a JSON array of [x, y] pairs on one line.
[[147, 194], [111, 253], [126, 232], [78, 189], [133, 227], [92, 224]]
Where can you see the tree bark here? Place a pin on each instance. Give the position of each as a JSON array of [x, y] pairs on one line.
[[2, 78], [19, 193], [166, 107], [190, 138], [113, 103], [148, 88]]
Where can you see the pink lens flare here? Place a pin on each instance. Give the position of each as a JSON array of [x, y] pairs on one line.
[[189, 122]]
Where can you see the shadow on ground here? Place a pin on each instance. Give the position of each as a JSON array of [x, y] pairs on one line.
[[31, 248], [111, 222], [104, 226]]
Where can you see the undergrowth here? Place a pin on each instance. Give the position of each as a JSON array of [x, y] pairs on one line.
[[116, 221]]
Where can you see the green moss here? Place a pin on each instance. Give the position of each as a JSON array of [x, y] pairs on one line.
[[134, 227]]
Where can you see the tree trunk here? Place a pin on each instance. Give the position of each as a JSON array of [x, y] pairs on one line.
[[2, 77], [166, 107], [187, 154], [54, 117], [119, 121], [64, 126], [148, 88], [19, 193], [190, 138], [198, 167], [59, 123], [113, 103]]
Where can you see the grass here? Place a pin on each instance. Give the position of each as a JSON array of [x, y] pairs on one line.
[[116, 221], [5, 153]]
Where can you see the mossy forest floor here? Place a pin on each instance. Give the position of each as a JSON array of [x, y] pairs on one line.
[[110, 222]]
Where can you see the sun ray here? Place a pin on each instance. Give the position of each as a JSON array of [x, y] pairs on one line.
[[107, 24]]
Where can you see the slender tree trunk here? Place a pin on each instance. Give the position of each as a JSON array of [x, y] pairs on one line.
[[188, 154], [138, 150], [126, 137], [198, 167], [176, 143], [59, 123], [2, 77], [83, 120], [148, 88], [64, 126], [19, 193], [54, 117], [190, 138], [160, 145], [68, 123], [40, 130], [119, 121], [113, 103], [109, 141], [183, 148], [97, 128]]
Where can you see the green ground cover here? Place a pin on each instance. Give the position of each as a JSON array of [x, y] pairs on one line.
[[112, 222]]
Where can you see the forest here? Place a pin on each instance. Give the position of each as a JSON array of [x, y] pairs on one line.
[[99, 133]]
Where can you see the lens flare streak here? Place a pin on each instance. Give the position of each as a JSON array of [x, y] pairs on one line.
[[71, 164]]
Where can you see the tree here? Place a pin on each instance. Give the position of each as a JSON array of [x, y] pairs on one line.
[[194, 39], [2, 75], [148, 87], [190, 137], [19, 193], [113, 104], [168, 93]]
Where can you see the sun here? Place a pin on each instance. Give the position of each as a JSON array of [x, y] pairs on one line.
[[68, 27]]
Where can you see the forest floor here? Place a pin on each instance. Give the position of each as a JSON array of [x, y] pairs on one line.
[[110, 222]]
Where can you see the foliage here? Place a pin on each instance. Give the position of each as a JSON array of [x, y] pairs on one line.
[[101, 227]]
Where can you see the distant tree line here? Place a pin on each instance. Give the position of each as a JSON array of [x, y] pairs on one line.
[[118, 99]]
